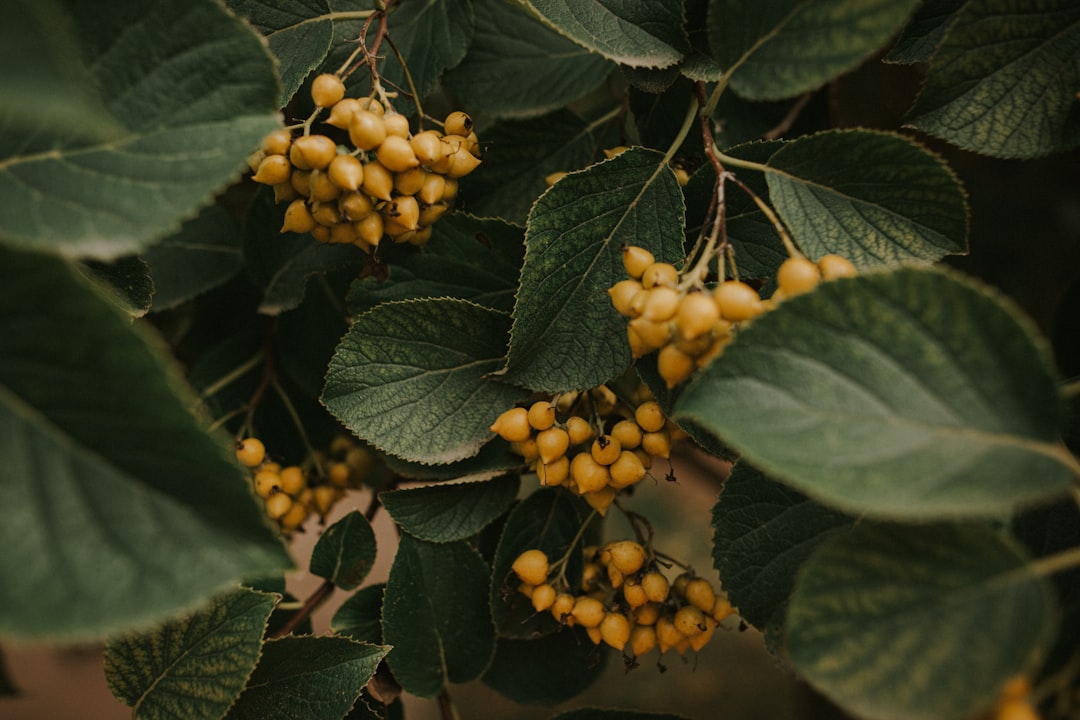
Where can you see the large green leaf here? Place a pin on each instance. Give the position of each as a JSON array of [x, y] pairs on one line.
[[467, 257], [192, 667], [780, 49], [193, 91], [1003, 81], [435, 615], [118, 508], [493, 459], [873, 197], [125, 280], [897, 622], [763, 531], [298, 32], [592, 713], [411, 378], [204, 254], [450, 511], [549, 520], [923, 33], [519, 154], [307, 678], [345, 551], [360, 617], [517, 66], [638, 34], [911, 394], [546, 670], [564, 322]]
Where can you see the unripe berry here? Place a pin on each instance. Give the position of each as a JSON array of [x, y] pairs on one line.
[[835, 266], [327, 89], [627, 556], [637, 260], [250, 452], [531, 566], [737, 301], [797, 275], [512, 425]]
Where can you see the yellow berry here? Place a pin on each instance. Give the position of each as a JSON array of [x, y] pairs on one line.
[[298, 218], [457, 123], [657, 444], [403, 210], [433, 189], [588, 475], [661, 304], [656, 586], [541, 415], [627, 556], [552, 178], [347, 172], [513, 425], [835, 266], [312, 152], [697, 315], [372, 105], [327, 89], [342, 111], [636, 260], [462, 162], [647, 614], [293, 480], [660, 275], [649, 416], [699, 593], [606, 449], [378, 181], [667, 635], [588, 611], [674, 365], [355, 206], [721, 609], [1016, 710], [366, 130], [562, 608], [600, 500], [797, 275], [294, 518], [277, 142], [543, 597], [627, 470], [531, 566], [610, 153], [526, 449], [552, 444], [653, 334], [321, 188], [397, 125], [396, 154], [579, 429], [690, 621], [634, 594], [622, 295], [370, 229], [701, 639], [273, 170], [266, 483], [642, 640], [628, 433], [737, 301], [324, 497], [615, 630], [277, 505], [428, 147], [555, 472], [250, 452]]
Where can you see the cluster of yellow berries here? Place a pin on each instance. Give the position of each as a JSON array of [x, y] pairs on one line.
[[691, 325], [625, 601], [388, 182], [291, 494], [595, 462]]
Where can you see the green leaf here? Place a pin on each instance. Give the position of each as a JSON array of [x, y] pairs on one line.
[[110, 472], [637, 34], [548, 519], [282, 263], [912, 394], [467, 257], [360, 617], [204, 254], [546, 670], [345, 551], [763, 533], [192, 667], [564, 321], [432, 37], [898, 622], [125, 280], [299, 33], [870, 196], [1003, 81], [781, 49], [519, 154], [923, 34], [517, 66], [308, 335], [435, 615], [193, 91], [307, 678], [450, 511], [593, 713], [411, 378], [493, 459]]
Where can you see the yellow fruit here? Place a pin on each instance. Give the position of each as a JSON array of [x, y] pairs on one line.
[[634, 594], [615, 630], [555, 472], [327, 89], [699, 593], [341, 113], [552, 444], [526, 449], [588, 475], [835, 266], [797, 275], [627, 470], [654, 335], [636, 260], [429, 214], [737, 301], [588, 611], [347, 172], [277, 505], [266, 483], [366, 130], [312, 152], [325, 213], [600, 500], [667, 635], [324, 497], [543, 596], [531, 566], [372, 105], [690, 621], [627, 556], [642, 640], [697, 315], [628, 433], [428, 147], [432, 190], [378, 181], [298, 218], [661, 304], [701, 639], [355, 206], [402, 210], [657, 444], [284, 192], [656, 586], [299, 181], [660, 275], [370, 229], [552, 178], [541, 415], [292, 480], [512, 425], [579, 429], [562, 608], [294, 518], [674, 365], [396, 154], [457, 123], [605, 450], [250, 452], [647, 614], [277, 142], [321, 188], [462, 162], [339, 474], [649, 416], [622, 296], [273, 170], [721, 609], [397, 125]]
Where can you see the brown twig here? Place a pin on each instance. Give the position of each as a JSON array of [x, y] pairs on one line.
[[314, 600]]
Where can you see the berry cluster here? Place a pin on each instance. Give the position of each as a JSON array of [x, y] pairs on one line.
[[625, 600], [594, 458], [691, 325], [291, 494], [386, 181]]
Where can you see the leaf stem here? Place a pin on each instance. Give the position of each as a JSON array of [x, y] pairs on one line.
[[225, 380], [688, 122], [295, 417], [1058, 562], [317, 598], [409, 79], [447, 710], [562, 562], [1071, 388]]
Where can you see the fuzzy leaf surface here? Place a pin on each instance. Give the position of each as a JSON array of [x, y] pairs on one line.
[[450, 511], [629, 32], [204, 254], [193, 666], [763, 531], [782, 49], [411, 378], [919, 40], [1003, 81], [467, 257], [192, 91], [564, 321], [548, 520], [345, 551], [873, 604], [307, 678], [910, 394], [875, 198], [77, 383], [360, 617], [299, 33], [519, 155], [125, 280], [435, 615], [517, 66], [545, 670]]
